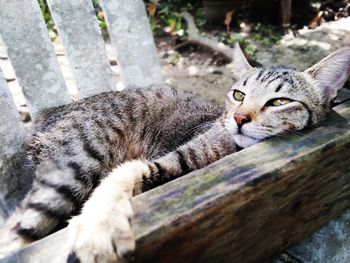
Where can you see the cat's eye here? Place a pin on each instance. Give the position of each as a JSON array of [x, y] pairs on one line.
[[279, 102], [237, 95]]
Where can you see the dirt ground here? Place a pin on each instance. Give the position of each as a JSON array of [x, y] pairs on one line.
[[198, 72]]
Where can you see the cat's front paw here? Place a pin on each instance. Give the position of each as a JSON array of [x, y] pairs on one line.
[[99, 237]]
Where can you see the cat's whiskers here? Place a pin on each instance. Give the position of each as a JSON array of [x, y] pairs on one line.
[[198, 128]]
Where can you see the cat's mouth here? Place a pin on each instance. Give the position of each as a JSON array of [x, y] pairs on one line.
[[239, 136], [244, 141]]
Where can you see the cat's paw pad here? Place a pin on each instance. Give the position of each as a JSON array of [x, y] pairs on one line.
[[102, 238]]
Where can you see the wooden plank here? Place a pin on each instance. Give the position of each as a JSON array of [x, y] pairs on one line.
[[10, 121], [83, 45], [250, 206], [343, 95], [331, 242], [286, 13], [29, 48], [246, 207], [12, 136], [133, 41]]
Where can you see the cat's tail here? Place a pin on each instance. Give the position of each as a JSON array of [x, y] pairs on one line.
[[16, 176], [57, 193]]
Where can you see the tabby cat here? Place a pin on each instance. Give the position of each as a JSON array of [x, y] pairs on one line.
[[92, 156]]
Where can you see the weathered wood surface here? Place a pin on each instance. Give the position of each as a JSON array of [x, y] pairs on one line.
[[249, 206], [133, 41], [83, 45], [29, 48], [246, 207], [12, 136], [12, 132]]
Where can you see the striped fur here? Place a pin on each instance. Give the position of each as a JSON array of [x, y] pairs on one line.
[[73, 147], [92, 156]]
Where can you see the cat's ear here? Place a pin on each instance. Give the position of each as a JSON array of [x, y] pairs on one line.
[[331, 72], [241, 62]]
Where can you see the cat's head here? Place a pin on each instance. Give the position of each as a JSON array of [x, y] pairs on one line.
[[268, 102]]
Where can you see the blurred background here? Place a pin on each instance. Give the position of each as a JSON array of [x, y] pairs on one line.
[[297, 33]]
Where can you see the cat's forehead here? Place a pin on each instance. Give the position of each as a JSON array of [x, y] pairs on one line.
[[271, 80]]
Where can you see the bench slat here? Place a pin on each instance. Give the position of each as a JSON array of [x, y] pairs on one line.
[[12, 136], [84, 45], [29, 48], [133, 41], [12, 132], [246, 207]]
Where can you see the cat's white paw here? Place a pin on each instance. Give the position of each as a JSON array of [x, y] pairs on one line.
[[96, 236]]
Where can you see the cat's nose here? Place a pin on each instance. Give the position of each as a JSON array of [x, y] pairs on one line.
[[241, 119]]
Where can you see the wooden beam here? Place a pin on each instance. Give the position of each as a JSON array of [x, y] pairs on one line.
[[10, 144], [246, 207], [286, 13]]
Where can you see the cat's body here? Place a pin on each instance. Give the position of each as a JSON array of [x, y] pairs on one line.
[[75, 146], [125, 125], [167, 133]]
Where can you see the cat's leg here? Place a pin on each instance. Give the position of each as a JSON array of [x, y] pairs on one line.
[[58, 191], [103, 232]]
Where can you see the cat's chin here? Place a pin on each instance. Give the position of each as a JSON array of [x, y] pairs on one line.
[[244, 141]]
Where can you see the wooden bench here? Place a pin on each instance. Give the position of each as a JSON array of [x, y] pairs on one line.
[[246, 207]]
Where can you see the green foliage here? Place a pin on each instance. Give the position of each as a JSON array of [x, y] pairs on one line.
[[51, 25], [200, 20], [47, 15], [99, 15], [95, 4], [260, 35], [168, 16], [101, 20], [231, 38], [266, 35]]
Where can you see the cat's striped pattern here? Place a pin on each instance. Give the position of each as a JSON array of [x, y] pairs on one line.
[[92, 156], [75, 146], [203, 150]]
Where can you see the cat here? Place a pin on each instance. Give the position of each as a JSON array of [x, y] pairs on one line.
[[92, 156]]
